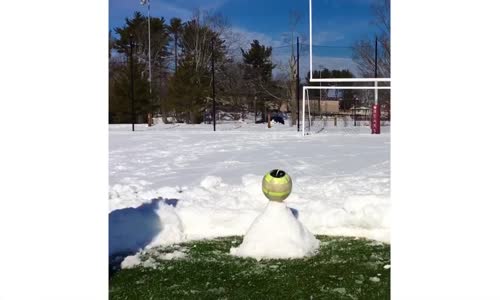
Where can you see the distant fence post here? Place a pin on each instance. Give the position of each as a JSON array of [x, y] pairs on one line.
[[298, 88]]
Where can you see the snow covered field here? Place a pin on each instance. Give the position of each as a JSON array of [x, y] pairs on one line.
[[177, 182]]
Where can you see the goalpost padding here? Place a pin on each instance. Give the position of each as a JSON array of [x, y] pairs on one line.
[[375, 121]]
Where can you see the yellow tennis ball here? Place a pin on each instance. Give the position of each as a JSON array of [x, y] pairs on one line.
[[277, 185]]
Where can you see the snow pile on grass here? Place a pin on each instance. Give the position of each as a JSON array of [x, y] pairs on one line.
[[148, 225], [216, 208], [212, 181], [362, 216], [150, 258], [174, 255], [276, 233], [172, 230], [131, 261]]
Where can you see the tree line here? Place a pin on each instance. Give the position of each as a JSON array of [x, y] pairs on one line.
[[182, 52]]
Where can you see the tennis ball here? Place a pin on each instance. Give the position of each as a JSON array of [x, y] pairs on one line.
[[277, 185]]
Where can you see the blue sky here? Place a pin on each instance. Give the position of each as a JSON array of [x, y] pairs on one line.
[[335, 22]]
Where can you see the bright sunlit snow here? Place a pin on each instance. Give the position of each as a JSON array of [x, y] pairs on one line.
[[178, 182], [277, 233]]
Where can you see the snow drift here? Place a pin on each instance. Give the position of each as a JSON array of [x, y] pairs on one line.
[[151, 224], [168, 184]]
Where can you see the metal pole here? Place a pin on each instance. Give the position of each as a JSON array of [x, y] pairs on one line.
[[319, 101], [376, 65], [304, 109], [354, 110], [309, 109], [131, 57], [149, 52], [213, 81], [150, 115], [298, 87], [310, 42]]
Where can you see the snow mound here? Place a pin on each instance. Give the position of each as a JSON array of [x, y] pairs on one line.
[[172, 229], [276, 233], [151, 224], [131, 261]]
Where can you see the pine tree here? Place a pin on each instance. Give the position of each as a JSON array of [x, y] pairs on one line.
[[137, 28], [189, 88], [258, 57], [175, 28], [258, 72]]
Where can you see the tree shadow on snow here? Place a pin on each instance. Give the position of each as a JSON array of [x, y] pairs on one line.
[[131, 229]]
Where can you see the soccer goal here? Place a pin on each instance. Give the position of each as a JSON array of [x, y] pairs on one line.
[[318, 116]]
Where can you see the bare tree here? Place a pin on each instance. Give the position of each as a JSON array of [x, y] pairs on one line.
[[364, 50], [189, 88], [294, 17]]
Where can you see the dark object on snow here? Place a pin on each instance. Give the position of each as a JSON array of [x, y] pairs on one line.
[[278, 119]]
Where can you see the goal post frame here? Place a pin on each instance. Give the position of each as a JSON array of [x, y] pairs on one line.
[[367, 79], [306, 88], [374, 80]]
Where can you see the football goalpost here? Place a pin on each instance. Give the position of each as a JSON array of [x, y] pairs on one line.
[[375, 115]]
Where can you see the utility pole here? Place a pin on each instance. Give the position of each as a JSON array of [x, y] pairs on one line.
[[213, 81], [298, 88], [131, 58], [150, 116]]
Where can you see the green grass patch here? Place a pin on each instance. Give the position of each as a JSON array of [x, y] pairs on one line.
[[344, 268]]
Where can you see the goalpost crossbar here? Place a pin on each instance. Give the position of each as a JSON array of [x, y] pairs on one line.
[[350, 80]]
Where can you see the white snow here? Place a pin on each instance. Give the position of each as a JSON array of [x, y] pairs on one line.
[[172, 230], [131, 261], [149, 263], [174, 255], [276, 233], [211, 182], [177, 182]]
